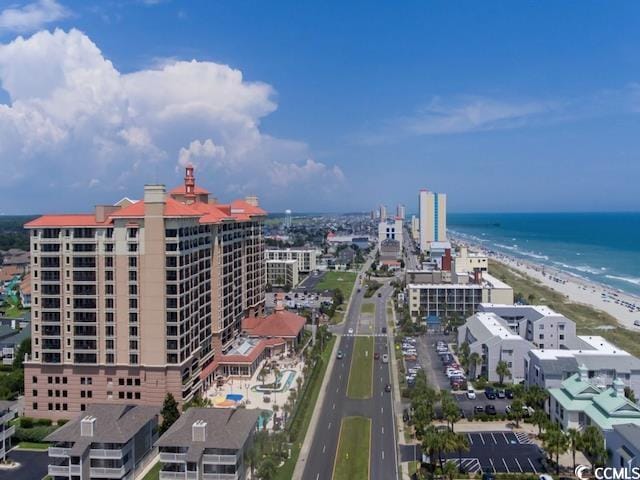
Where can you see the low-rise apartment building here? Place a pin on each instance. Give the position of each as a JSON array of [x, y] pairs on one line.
[[444, 299], [7, 413], [578, 403], [282, 273], [208, 444], [604, 362], [107, 441], [492, 339], [623, 446], [306, 257]]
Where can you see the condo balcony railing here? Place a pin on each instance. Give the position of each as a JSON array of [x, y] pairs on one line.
[[219, 476], [7, 433], [219, 459], [58, 452], [107, 472], [166, 475], [166, 457], [104, 453]]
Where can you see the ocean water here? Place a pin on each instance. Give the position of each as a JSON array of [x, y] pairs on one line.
[[602, 247]]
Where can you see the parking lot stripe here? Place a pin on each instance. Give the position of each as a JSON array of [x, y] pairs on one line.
[[534, 468], [505, 465], [516, 459], [494, 439], [482, 438], [492, 466], [470, 439], [505, 439]]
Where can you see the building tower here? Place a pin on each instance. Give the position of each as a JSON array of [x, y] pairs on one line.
[[433, 218], [400, 211], [383, 213], [287, 218]]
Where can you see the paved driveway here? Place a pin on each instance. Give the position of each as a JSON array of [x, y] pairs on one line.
[[33, 465]]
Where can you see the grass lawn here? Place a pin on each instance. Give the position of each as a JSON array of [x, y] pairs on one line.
[[342, 280], [587, 319], [352, 459], [303, 415], [361, 372], [154, 473], [14, 311], [368, 308], [33, 446]]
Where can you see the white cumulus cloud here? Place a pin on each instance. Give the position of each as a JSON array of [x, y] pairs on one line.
[[31, 16], [72, 114]]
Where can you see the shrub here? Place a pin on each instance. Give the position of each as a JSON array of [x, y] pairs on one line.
[[42, 422], [35, 434], [62, 421], [26, 422]]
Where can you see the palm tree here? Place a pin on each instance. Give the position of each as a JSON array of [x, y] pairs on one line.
[[502, 370], [540, 419], [450, 410], [556, 442], [449, 470], [516, 411], [575, 442], [432, 443], [592, 442], [462, 444], [474, 363]]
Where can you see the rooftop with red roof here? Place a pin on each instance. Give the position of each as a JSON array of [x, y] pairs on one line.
[[280, 323]]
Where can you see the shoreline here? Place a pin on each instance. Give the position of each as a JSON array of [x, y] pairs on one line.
[[613, 301]]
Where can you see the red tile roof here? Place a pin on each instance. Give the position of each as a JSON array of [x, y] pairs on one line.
[[279, 324], [172, 208], [182, 190], [66, 220]]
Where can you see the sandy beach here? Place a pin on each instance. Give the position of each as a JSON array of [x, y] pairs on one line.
[[621, 305]]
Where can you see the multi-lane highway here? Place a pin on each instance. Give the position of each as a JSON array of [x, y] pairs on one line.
[[336, 404]]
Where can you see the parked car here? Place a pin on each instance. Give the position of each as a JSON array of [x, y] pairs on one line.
[[405, 415], [490, 410], [471, 393], [501, 393], [508, 393], [490, 393], [478, 409]]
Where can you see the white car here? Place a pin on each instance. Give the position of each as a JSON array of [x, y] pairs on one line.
[[471, 393], [350, 331]]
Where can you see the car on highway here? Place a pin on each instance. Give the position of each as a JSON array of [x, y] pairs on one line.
[[350, 331], [376, 356], [490, 393], [340, 355], [384, 329], [387, 387], [471, 393], [490, 410], [379, 294], [385, 358]]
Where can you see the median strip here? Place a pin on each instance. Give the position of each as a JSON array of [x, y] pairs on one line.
[[354, 449], [360, 384]]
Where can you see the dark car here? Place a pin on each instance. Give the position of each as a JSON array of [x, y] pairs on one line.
[[379, 294], [490, 393], [387, 387], [488, 476], [405, 415], [508, 393], [490, 410], [478, 409], [376, 356], [384, 329]]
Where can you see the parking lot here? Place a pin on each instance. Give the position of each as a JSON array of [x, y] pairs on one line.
[[429, 359], [33, 465], [504, 452]]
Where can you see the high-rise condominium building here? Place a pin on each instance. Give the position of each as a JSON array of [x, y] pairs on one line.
[[134, 300], [433, 218], [400, 211], [383, 212]]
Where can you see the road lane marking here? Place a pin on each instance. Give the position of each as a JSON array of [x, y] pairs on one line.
[[383, 454], [381, 409], [534, 468], [329, 428], [337, 389], [318, 476], [382, 430], [505, 465], [324, 448], [518, 463]]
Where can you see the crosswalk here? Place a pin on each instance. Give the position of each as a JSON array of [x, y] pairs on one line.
[[364, 334], [523, 438]]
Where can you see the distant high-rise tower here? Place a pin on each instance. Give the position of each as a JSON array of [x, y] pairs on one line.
[[383, 213], [433, 218], [400, 211], [287, 218]]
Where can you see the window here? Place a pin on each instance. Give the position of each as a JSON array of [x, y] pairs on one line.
[[35, 405], [133, 275], [133, 247], [133, 262], [121, 381], [541, 336], [137, 395], [83, 407], [34, 379], [120, 394], [35, 393]]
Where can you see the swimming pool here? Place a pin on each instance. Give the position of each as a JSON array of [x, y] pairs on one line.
[[283, 382], [234, 397]]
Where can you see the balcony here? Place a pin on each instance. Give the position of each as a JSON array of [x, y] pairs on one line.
[[104, 453], [219, 476], [166, 457], [219, 459], [107, 472], [58, 470], [10, 415], [58, 452], [7, 433], [166, 475]]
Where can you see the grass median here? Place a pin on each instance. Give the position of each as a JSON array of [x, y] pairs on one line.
[[361, 372], [354, 449], [589, 320], [368, 308]]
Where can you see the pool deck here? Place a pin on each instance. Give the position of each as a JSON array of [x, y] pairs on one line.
[[253, 399]]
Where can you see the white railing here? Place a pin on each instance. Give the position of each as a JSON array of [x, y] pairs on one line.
[[104, 453], [167, 457], [59, 470], [164, 475], [7, 432], [9, 415], [219, 459], [107, 472], [74, 469], [58, 452], [219, 476]]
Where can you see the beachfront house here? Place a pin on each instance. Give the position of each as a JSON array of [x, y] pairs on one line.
[[208, 443], [578, 403]]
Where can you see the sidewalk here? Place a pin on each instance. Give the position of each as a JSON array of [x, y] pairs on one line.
[[308, 438]]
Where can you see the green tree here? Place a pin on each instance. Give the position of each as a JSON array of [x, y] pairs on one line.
[[267, 468], [555, 442], [169, 413], [198, 401], [502, 370], [432, 443], [593, 445], [516, 411], [474, 362], [628, 392], [463, 354], [575, 442], [450, 410], [462, 445], [449, 470], [23, 348], [540, 419]]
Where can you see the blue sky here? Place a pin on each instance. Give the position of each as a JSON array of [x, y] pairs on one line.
[[322, 106]]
